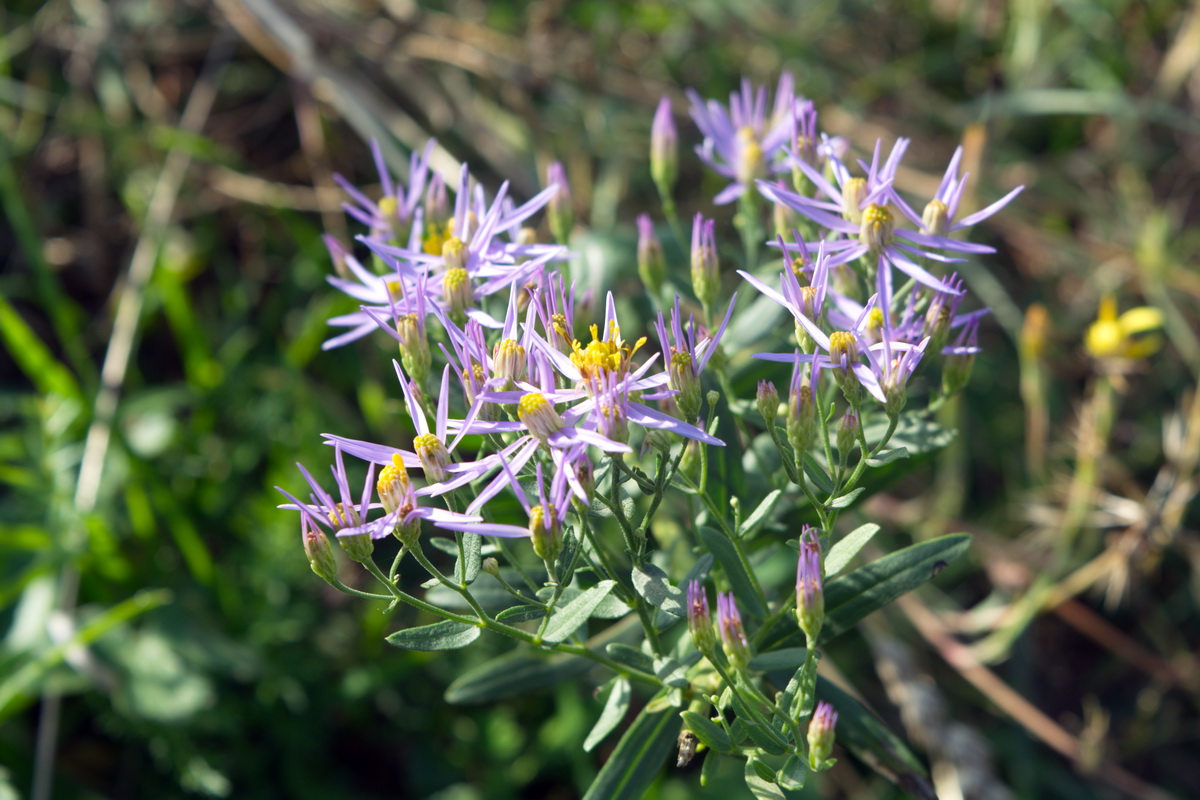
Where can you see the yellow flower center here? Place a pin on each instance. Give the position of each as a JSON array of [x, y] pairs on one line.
[[388, 206], [604, 356], [842, 345], [393, 484], [876, 228]]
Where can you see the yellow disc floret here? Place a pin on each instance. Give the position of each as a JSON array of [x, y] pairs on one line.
[[608, 356], [434, 456], [843, 345], [876, 228], [539, 415], [393, 484]]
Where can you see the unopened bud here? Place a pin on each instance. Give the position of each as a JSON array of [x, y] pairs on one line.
[[664, 149], [652, 265], [545, 534], [491, 566], [320, 554], [705, 276], [810, 589], [733, 636], [414, 347], [700, 623], [847, 432], [559, 209], [820, 736], [767, 400]]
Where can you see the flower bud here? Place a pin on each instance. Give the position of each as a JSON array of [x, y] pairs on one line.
[[700, 622], [768, 402], [705, 278], [414, 347], [545, 534], [802, 418], [810, 590], [664, 149], [847, 432], [559, 210], [651, 264], [820, 735], [733, 636], [434, 457], [491, 566], [320, 554]]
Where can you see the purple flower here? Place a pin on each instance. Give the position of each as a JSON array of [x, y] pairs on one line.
[[686, 358], [741, 142], [395, 207]]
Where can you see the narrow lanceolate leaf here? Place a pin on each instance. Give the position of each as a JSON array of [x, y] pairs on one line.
[[712, 735], [444, 635], [465, 573], [656, 588], [861, 732], [847, 548], [817, 474], [761, 514], [887, 457], [699, 572], [631, 656], [513, 673], [852, 597], [760, 780], [639, 758], [614, 711], [33, 357], [570, 617], [720, 546], [564, 566], [846, 499]]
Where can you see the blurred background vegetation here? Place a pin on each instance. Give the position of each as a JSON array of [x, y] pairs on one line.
[[165, 177]]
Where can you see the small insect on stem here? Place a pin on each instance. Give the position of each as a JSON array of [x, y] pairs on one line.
[[687, 748]]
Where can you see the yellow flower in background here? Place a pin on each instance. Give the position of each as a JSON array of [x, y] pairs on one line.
[[1111, 336]]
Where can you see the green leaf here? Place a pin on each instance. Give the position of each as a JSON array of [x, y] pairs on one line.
[[725, 553], [846, 499], [817, 474], [639, 758], [521, 613], [671, 672], [785, 658], [473, 551], [568, 618], [888, 456], [22, 682], [861, 732], [710, 733], [33, 357], [614, 711], [761, 514], [656, 588], [852, 597], [631, 656], [916, 435], [760, 780], [445, 635], [513, 673], [847, 548]]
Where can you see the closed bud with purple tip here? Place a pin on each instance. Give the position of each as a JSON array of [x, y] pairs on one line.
[[664, 148], [802, 412], [810, 589], [767, 400], [560, 210], [317, 548], [700, 622], [820, 736], [705, 278], [651, 264], [545, 533], [847, 432], [733, 636]]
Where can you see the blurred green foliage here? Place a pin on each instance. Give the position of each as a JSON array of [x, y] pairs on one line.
[[236, 673]]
